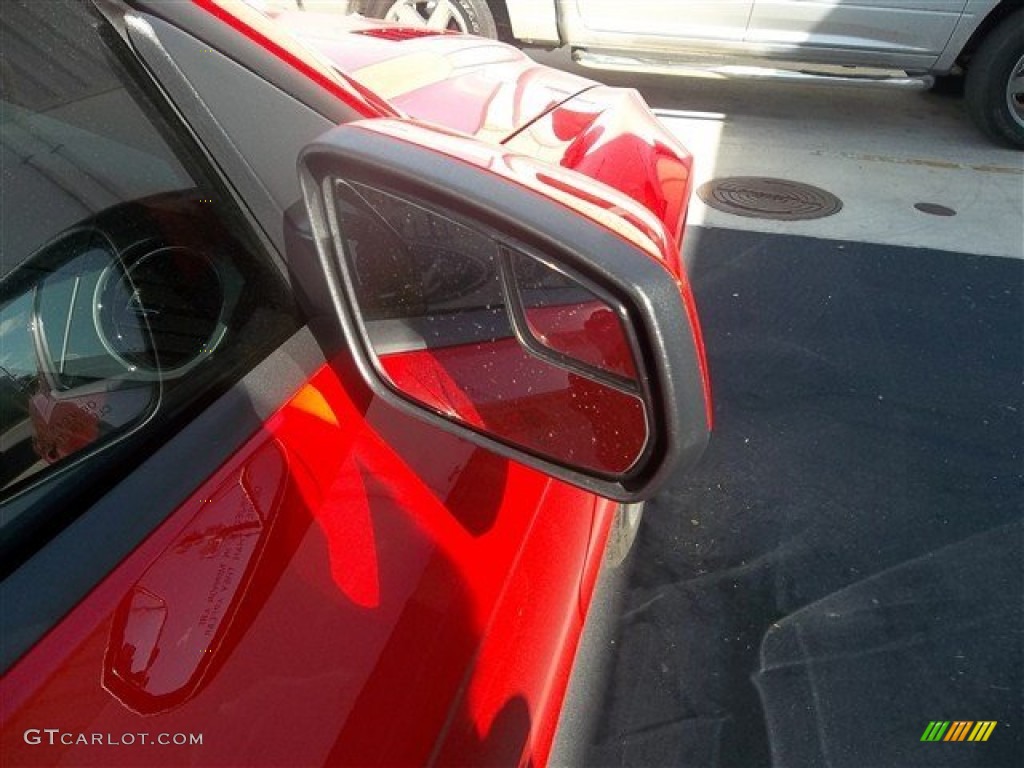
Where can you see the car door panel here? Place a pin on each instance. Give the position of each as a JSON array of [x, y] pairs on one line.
[[655, 23], [893, 27], [363, 609], [301, 574]]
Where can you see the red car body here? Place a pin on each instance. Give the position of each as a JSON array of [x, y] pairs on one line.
[[353, 586], [498, 94]]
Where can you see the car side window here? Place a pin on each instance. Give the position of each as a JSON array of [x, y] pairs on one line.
[[132, 290]]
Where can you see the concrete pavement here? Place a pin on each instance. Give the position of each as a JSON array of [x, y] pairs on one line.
[[879, 148]]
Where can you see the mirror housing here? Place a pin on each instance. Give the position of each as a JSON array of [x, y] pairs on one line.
[[527, 308]]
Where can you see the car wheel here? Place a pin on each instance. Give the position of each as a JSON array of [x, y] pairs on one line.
[[948, 85], [472, 16], [995, 83]]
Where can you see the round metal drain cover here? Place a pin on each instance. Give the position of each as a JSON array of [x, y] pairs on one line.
[[934, 209], [764, 198]]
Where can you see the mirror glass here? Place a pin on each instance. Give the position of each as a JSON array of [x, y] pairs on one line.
[[488, 335], [570, 321]]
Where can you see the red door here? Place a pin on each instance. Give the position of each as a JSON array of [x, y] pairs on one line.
[[219, 547]]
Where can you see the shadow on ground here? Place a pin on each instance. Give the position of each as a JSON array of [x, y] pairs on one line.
[[846, 564]]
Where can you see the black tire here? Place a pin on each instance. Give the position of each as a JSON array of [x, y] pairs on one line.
[[472, 16], [948, 85], [995, 83]]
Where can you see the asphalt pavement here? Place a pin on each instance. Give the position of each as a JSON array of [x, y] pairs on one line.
[[845, 566]]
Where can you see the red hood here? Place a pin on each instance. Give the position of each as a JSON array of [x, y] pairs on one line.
[[466, 83], [498, 94]]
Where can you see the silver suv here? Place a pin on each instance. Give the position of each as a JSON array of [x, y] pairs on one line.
[[979, 40]]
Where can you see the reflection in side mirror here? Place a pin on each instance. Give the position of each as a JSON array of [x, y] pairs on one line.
[[490, 336], [553, 328]]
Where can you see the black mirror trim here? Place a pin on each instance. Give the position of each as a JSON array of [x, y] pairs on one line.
[[521, 326], [360, 152]]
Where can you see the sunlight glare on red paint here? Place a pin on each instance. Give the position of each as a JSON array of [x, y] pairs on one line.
[[262, 31]]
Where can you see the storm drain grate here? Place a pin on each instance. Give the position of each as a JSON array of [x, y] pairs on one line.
[[764, 198]]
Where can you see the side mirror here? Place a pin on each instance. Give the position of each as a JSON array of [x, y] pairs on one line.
[[527, 308]]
